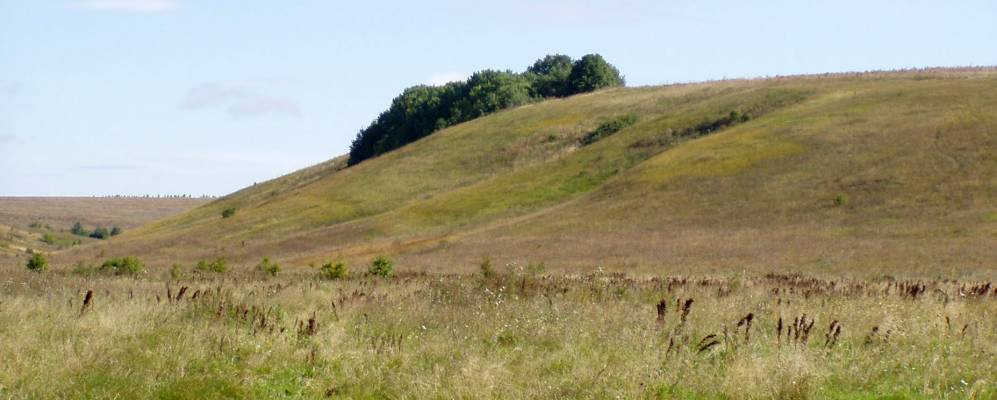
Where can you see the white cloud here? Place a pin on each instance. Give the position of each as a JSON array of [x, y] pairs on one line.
[[238, 101], [444, 78], [131, 5]]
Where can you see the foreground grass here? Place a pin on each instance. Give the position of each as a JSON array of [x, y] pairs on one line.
[[513, 334]]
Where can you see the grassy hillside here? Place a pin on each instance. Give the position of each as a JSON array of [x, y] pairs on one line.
[[890, 172]]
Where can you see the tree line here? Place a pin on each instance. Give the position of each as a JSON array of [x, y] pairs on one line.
[[421, 110]]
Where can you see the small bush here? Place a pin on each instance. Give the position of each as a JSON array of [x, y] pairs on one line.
[[37, 263], [100, 233], [487, 271], [841, 200], [176, 272], [381, 266], [228, 212], [116, 231], [339, 270], [48, 238], [123, 266], [78, 230], [218, 265], [268, 267], [610, 127]]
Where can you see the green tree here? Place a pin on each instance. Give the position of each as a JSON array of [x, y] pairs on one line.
[[592, 72], [549, 76], [100, 233], [115, 231], [77, 229]]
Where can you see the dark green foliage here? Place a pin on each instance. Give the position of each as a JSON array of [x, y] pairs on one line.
[[123, 266], [549, 76], [115, 231], [609, 127], [334, 271], [77, 229], [37, 263], [592, 72], [268, 267], [421, 110], [100, 233], [218, 265], [228, 212], [381, 266]]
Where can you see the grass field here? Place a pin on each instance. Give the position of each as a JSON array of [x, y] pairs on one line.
[[516, 332], [43, 223], [813, 237]]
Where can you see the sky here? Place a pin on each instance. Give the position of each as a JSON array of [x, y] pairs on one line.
[[165, 97]]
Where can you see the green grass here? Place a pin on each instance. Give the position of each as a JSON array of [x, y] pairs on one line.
[[517, 185], [512, 334]]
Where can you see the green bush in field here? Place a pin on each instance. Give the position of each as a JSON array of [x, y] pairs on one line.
[[337, 270], [176, 272], [610, 127], [228, 212], [123, 266], [218, 265], [78, 230], [37, 263], [487, 271], [381, 266], [48, 238], [100, 233], [115, 231], [268, 267]]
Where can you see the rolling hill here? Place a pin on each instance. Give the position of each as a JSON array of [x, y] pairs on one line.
[[890, 173]]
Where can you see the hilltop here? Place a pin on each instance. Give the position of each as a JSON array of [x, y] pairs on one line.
[[870, 174]]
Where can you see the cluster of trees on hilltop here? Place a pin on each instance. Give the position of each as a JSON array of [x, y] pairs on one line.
[[421, 110]]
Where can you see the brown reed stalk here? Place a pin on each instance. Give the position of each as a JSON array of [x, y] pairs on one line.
[[87, 301]]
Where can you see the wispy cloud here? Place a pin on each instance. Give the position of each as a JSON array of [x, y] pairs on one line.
[[147, 6], [238, 101], [446, 77]]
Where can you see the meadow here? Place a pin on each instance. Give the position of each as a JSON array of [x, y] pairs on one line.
[[809, 237], [512, 331]]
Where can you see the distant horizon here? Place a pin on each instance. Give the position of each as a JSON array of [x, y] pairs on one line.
[[188, 96]]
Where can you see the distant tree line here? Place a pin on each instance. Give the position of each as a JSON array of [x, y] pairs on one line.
[[421, 110]]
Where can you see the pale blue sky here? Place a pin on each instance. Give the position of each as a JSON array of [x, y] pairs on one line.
[[207, 96]]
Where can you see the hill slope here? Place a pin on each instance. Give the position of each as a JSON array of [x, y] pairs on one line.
[[888, 173]]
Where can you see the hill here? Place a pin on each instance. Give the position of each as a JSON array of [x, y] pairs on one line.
[[869, 174]]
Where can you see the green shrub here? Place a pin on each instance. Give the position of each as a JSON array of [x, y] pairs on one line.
[[268, 267], [228, 212], [841, 200], [48, 238], [339, 270], [78, 230], [37, 263], [218, 265], [609, 127], [176, 272], [100, 233], [487, 271], [116, 231], [381, 266], [123, 266]]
